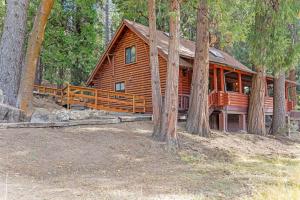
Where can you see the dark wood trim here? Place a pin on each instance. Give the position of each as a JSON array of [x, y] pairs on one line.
[[222, 79], [240, 83], [215, 78]]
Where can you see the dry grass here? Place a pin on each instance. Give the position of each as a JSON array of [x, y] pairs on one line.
[[269, 177], [121, 161]]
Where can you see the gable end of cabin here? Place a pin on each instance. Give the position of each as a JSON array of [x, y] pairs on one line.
[[126, 67]]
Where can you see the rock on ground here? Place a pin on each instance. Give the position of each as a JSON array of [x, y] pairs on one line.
[[3, 98], [42, 115], [10, 114]]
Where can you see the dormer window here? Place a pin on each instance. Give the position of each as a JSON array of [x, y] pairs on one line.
[[130, 55]]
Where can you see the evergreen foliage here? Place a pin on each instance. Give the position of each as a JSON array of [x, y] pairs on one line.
[[75, 33]]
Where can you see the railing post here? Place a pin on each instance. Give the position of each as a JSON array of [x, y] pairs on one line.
[[240, 83], [108, 98], [96, 99], [133, 104], [68, 97]]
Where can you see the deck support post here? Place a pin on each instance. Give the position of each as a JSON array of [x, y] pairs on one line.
[[96, 99], [242, 122], [68, 97], [133, 104], [222, 121]]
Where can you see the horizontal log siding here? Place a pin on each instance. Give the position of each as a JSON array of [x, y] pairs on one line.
[[103, 79], [185, 81], [137, 76]]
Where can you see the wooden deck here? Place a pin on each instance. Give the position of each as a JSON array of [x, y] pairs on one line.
[[95, 98], [123, 102], [233, 99]]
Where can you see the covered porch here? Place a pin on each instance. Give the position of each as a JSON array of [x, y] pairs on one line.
[[229, 91]]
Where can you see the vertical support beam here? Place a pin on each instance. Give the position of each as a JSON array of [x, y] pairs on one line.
[[286, 91], [68, 97], [289, 125], [215, 79], [267, 93], [242, 122], [96, 99], [222, 80], [222, 121], [144, 102], [240, 83], [133, 104]]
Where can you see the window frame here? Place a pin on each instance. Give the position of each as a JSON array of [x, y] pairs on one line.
[[125, 55], [120, 83]]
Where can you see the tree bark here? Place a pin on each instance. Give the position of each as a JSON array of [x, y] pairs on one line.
[[39, 72], [170, 115], [279, 107], [198, 115], [107, 21], [256, 113], [155, 79], [12, 48], [33, 51], [292, 77]]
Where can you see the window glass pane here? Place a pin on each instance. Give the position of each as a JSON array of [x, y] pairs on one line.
[[117, 86], [128, 55], [122, 86], [133, 54]]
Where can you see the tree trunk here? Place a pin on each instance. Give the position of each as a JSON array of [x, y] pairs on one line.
[[292, 77], [155, 79], [107, 21], [256, 113], [169, 124], [279, 112], [12, 48], [198, 115], [33, 51], [61, 76], [39, 72]]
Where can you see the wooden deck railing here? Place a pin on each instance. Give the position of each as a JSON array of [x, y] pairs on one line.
[[242, 100], [95, 98], [47, 90], [184, 100], [221, 99]]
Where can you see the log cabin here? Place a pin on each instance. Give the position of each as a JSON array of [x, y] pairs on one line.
[[125, 67]]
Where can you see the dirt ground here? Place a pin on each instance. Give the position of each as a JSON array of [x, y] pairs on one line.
[[122, 162]]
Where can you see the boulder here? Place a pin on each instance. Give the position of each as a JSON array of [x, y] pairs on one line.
[[79, 114], [11, 114], [97, 114], [61, 115], [1, 97], [41, 115], [4, 109]]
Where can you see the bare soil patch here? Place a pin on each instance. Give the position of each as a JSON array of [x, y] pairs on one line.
[[121, 161]]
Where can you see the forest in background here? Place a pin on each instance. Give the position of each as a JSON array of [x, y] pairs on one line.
[[78, 31]]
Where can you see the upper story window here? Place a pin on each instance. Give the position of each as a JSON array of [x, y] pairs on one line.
[[130, 55], [120, 87]]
